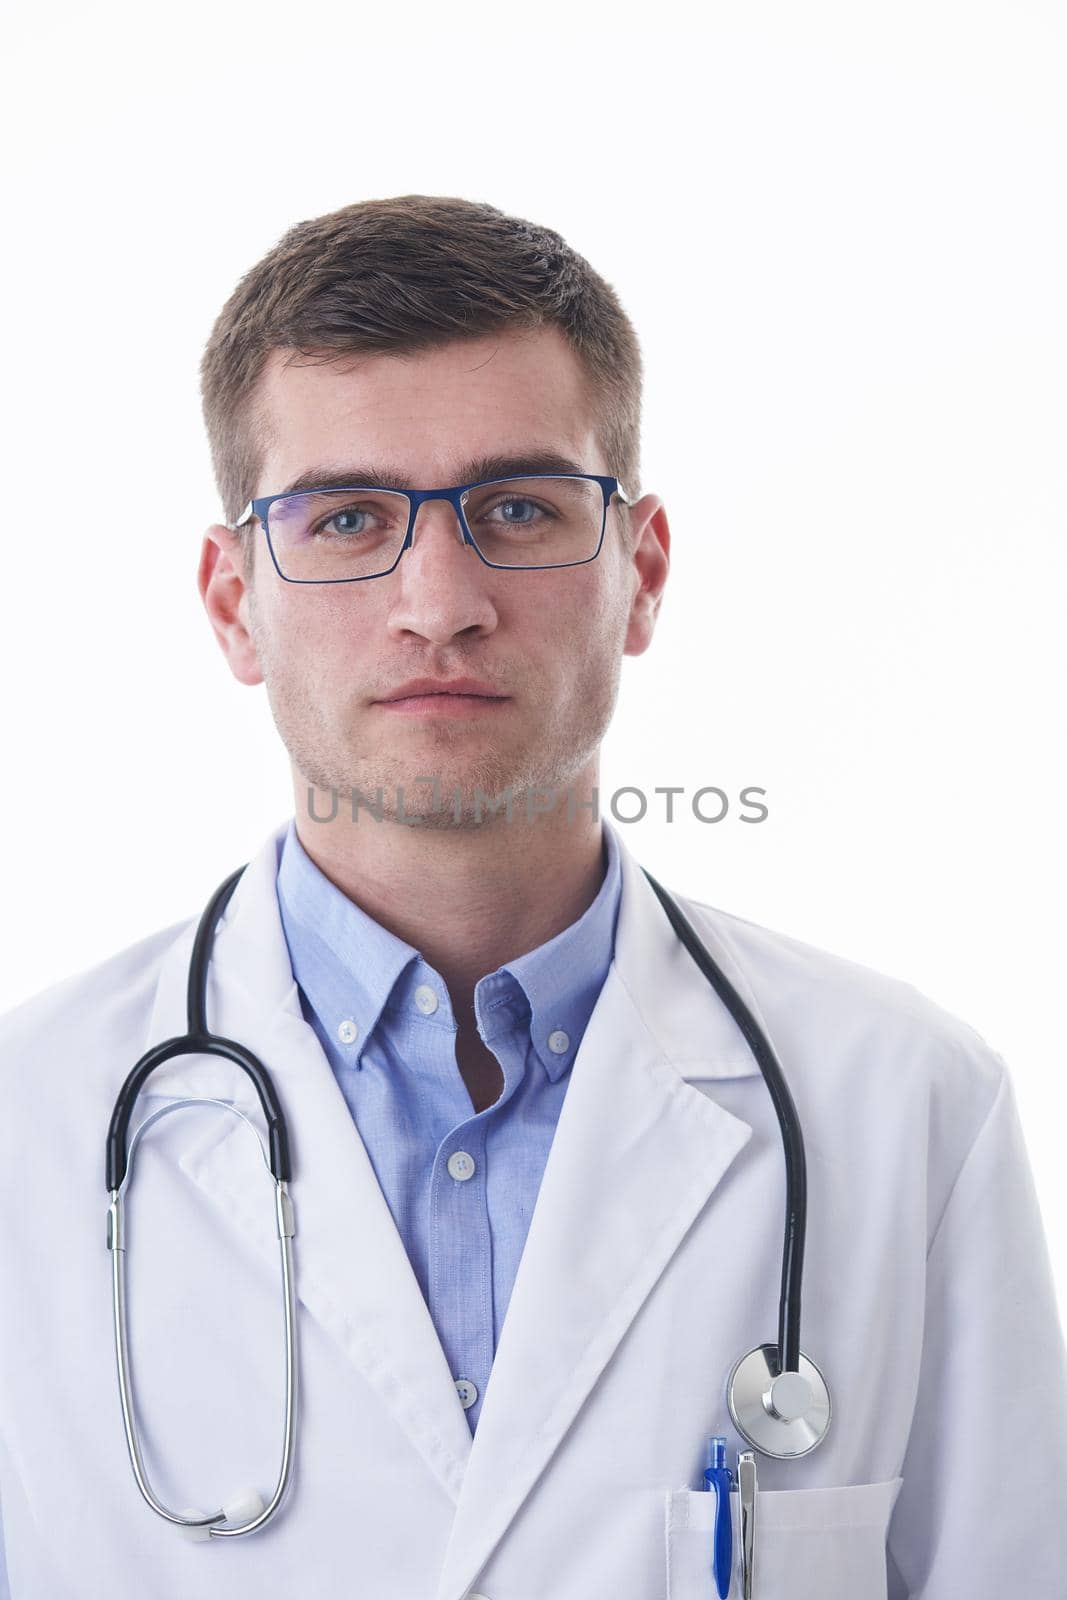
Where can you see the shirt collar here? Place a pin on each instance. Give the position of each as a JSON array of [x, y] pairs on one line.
[[350, 967], [563, 977]]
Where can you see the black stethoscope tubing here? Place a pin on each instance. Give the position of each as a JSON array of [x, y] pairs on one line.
[[796, 1180], [199, 1040]]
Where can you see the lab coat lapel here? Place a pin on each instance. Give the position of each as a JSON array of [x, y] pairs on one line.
[[636, 1155], [352, 1272]]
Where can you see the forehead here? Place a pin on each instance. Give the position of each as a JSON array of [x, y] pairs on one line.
[[421, 414]]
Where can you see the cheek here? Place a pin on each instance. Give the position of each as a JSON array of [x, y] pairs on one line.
[[313, 634], [591, 617], [585, 604], [579, 644]]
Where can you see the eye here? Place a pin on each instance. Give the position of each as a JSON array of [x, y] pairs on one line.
[[350, 514], [355, 520], [532, 510]]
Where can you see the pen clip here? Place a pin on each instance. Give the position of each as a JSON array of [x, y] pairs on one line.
[[746, 1493]]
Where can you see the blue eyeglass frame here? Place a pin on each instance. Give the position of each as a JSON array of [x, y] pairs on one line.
[[261, 508]]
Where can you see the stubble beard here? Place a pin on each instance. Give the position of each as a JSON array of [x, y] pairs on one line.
[[471, 790]]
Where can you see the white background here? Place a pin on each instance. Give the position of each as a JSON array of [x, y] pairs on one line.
[[839, 231]]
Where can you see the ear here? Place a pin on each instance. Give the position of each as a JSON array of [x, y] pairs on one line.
[[226, 594], [650, 561]]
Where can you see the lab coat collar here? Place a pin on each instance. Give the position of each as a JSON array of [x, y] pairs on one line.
[[636, 1154]]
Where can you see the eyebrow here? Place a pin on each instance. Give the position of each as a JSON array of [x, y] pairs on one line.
[[482, 467]]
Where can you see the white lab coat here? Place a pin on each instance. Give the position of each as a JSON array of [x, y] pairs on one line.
[[652, 1263]]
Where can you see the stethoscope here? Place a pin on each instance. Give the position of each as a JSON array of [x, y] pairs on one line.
[[780, 1407]]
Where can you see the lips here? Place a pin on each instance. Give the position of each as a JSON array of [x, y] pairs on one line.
[[444, 686]]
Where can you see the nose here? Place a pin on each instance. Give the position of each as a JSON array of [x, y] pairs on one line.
[[441, 589]]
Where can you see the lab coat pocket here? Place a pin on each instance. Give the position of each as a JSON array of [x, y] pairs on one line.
[[810, 1544]]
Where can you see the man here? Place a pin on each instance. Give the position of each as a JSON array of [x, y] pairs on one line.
[[537, 1175]]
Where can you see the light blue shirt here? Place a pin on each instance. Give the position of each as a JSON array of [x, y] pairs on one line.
[[461, 1186]]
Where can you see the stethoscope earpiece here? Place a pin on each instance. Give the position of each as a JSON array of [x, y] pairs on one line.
[[245, 1505], [783, 1414]]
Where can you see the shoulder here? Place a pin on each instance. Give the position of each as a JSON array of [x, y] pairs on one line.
[[55, 1028], [860, 1032]]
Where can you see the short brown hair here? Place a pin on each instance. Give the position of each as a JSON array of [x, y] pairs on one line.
[[404, 274]]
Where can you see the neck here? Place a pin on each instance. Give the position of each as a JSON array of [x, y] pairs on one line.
[[467, 898]]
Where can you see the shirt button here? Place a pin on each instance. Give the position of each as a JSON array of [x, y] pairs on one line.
[[558, 1042], [348, 1033], [467, 1392], [426, 1000], [461, 1165]]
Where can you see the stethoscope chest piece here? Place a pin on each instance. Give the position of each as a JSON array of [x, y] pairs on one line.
[[782, 1414]]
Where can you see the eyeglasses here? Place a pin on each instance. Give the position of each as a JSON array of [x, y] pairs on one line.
[[349, 535]]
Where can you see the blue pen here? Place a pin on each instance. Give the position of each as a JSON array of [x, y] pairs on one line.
[[717, 1477]]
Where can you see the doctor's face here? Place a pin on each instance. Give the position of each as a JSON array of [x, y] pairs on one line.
[[547, 643]]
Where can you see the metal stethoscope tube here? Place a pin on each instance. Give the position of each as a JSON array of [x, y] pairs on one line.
[[120, 1150]]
